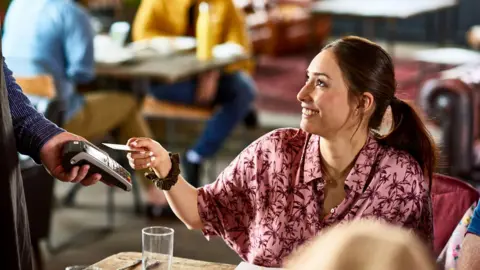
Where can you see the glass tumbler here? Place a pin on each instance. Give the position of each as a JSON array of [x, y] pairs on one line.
[[157, 248]]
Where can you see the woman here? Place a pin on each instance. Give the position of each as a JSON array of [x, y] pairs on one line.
[[290, 184], [349, 247]]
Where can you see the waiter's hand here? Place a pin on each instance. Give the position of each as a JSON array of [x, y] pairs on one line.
[[207, 87], [51, 156]]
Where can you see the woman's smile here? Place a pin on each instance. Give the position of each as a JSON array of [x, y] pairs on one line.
[[307, 113]]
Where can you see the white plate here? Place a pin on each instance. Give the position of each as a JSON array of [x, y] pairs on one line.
[[163, 45], [110, 53], [227, 50], [185, 43]]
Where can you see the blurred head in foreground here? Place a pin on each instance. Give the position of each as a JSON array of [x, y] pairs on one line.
[[363, 245]]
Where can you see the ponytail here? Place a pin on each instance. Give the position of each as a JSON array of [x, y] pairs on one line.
[[410, 134], [366, 67]]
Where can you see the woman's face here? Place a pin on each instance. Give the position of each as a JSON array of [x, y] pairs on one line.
[[324, 98]]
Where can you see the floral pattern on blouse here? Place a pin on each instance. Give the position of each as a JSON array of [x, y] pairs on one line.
[[269, 200]]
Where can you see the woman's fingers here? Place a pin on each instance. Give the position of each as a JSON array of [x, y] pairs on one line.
[[131, 140], [142, 163], [142, 143], [151, 153], [143, 154]]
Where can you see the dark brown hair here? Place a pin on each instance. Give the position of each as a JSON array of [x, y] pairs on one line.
[[366, 67]]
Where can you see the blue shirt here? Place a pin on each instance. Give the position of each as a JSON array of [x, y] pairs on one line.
[[31, 128], [474, 226], [51, 37]]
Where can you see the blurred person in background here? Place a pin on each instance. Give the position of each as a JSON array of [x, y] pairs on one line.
[[290, 184], [233, 90], [363, 245], [55, 37], [103, 12]]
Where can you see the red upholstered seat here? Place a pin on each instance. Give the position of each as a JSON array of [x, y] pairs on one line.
[[451, 197]]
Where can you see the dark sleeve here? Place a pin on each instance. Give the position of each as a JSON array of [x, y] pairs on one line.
[[32, 129], [474, 226]]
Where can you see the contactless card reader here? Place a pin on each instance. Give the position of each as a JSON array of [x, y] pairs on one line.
[[78, 153]]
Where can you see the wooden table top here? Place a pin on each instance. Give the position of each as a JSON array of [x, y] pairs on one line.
[[124, 258], [398, 9], [168, 69]]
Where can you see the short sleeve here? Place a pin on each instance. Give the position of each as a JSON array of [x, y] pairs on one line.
[[474, 226], [226, 206], [233, 205]]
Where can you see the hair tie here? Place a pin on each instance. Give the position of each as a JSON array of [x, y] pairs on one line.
[[394, 100]]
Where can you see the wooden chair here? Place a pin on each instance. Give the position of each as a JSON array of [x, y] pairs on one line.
[[42, 90], [171, 113], [42, 85], [163, 109]]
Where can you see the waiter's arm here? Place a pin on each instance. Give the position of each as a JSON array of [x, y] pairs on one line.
[[32, 130]]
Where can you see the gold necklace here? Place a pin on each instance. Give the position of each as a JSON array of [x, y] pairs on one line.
[[330, 180]]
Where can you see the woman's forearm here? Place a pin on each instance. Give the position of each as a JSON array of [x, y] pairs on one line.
[[182, 198], [469, 259]]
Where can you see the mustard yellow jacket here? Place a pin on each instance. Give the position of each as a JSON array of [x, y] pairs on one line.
[[170, 18]]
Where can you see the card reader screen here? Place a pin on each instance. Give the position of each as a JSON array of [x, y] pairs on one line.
[[96, 154]]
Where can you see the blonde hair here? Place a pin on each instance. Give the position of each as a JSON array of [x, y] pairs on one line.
[[363, 245]]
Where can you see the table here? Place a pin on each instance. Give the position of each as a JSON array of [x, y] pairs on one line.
[[121, 259], [389, 10], [397, 9], [168, 69], [145, 68], [468, 73]]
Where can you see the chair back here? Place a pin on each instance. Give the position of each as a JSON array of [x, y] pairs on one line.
[[41, 91], [41, 86], [451, 197], [450, 104]]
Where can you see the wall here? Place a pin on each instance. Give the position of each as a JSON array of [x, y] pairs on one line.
[[421, 28]]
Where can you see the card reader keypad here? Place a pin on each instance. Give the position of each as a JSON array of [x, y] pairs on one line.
[[118, 169]]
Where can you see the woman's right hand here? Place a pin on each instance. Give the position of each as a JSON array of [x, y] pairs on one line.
[[151, 155]]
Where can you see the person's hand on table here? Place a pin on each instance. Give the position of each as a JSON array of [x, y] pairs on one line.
[[207, 87], [151, 155], [51, 157]]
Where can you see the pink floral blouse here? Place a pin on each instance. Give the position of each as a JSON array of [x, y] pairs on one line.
[[269, 200]]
